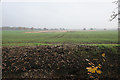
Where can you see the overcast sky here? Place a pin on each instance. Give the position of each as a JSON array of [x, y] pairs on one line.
[[70, 14]]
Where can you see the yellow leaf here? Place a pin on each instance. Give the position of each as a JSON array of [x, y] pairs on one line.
[[88, 68], [103, 54], [92, 70], [93, 66], [99, 66], [89, 63], [104, 60], [99, 71]]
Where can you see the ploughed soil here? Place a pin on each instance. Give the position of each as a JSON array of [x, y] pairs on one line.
[[59, 61], [47, 31]]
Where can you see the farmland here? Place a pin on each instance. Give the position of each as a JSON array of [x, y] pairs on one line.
[[71, 54], [20, 38]]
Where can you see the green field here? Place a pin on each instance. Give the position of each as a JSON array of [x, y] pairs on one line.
[[19, 38], [60, 55]]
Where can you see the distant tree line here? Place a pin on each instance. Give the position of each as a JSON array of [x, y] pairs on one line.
[[32, 28], [15, 28], [93, 29]]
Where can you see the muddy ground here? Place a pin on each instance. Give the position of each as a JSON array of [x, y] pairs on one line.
[[58, 61]]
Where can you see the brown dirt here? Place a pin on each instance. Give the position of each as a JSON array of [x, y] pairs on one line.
[[56, 61], [45, 31]]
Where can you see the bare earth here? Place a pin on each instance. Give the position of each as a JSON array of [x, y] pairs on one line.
[[47, 31]]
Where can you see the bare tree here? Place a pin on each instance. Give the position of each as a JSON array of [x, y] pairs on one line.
[[115, 13]]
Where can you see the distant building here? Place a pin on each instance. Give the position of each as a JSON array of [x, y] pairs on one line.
[[84, 28], [91, 28], [105, 29]]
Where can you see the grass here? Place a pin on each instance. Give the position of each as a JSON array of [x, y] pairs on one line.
[[25, 44], [19, 38], [107, 45]]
